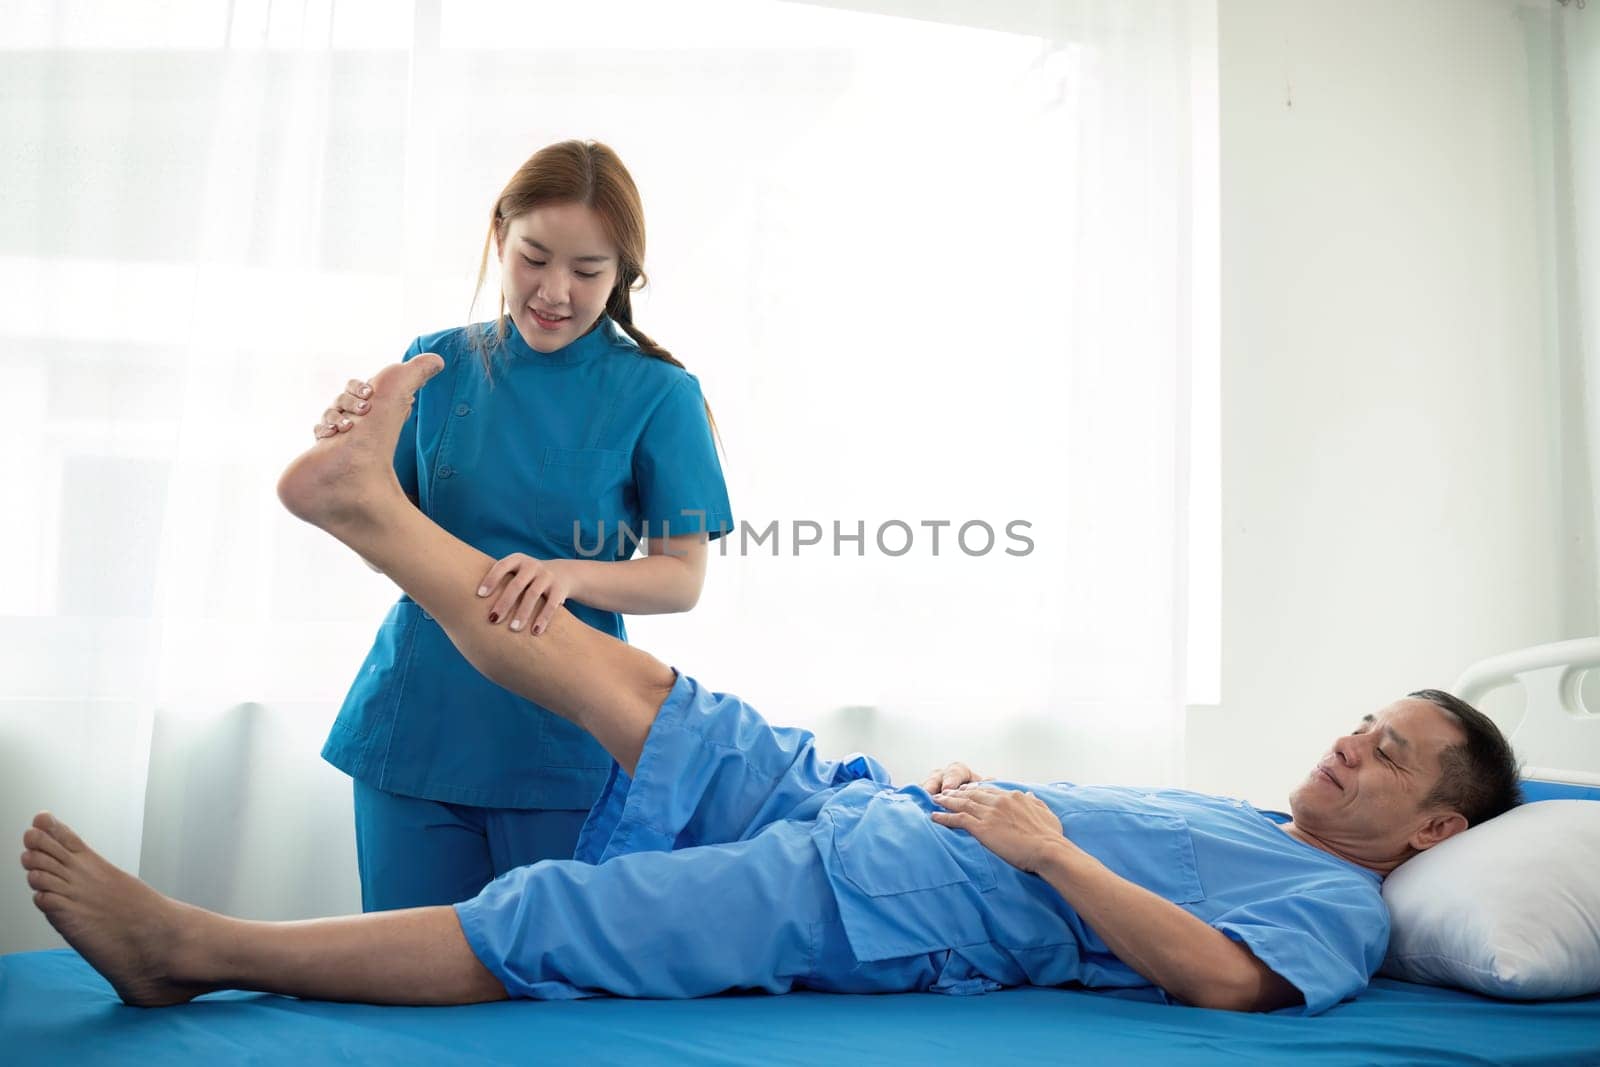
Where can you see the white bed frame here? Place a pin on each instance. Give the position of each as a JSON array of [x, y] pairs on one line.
[[1558, 738]]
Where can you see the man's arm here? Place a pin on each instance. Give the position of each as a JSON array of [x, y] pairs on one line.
[[1178, 952], [1195, 962]]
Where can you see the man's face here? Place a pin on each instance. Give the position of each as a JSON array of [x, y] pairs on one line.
[[1364, 797]]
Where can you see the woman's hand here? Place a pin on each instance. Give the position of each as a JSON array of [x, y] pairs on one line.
[[526, 580], [347, 407], [1018, 827], [952, 775]]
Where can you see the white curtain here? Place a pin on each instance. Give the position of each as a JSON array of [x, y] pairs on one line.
[[1575, 48], [957, 269]]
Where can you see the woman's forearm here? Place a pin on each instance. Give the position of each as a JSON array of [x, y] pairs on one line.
[[649, 585]]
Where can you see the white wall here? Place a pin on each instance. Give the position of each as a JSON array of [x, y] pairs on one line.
[[1403, 490]]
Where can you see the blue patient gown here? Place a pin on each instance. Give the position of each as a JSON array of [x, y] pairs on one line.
[[736, 857]]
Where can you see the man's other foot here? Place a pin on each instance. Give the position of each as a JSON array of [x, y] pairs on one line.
[[127, 931]]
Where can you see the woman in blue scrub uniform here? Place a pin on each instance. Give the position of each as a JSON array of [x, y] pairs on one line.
[[556, 438]]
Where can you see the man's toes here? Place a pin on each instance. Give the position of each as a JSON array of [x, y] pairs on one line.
[[404, 379], [49, 903], [34, 860], [423, 367], [45, 882], [58, 830], [39, 841]]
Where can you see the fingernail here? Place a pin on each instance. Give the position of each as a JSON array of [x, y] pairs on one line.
[[483, 590], [361, 405], [516, 624], [366, 390], [344, 422], [537, 630], [494, 616]]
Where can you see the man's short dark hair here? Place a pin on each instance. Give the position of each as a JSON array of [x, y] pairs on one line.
[[1479, 777]]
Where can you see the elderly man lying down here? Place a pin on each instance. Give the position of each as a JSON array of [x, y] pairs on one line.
[[725, 853]]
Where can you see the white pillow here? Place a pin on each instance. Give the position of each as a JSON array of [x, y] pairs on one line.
[[1510, 907]]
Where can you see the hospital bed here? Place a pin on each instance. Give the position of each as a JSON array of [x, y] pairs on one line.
[[55, 1010]]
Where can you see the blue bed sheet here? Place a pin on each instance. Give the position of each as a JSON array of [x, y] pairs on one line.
[[55, 1010], [1534, 789]]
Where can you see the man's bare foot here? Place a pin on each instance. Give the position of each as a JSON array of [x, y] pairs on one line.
[[127, 931], [337, 480]]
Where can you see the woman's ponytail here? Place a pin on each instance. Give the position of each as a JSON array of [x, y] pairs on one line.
[[620, 307]]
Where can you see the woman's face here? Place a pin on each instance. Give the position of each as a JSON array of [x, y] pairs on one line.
[[557, 268]]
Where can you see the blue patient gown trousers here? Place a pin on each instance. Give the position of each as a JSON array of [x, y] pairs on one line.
[[736, 858]]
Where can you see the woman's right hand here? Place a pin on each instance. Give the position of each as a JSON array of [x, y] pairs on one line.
[[347, 407]]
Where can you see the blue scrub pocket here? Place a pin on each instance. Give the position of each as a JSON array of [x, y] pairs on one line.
[[905, 851], [903, 883], [583, 485], [1150, 849]]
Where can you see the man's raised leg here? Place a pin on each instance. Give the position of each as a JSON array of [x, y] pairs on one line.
[[346, 485], [156, 950]]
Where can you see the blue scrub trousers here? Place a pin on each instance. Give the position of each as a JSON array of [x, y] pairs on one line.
[[416, 853], [697, 875]]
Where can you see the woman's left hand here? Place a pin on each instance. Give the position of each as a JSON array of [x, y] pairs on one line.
[[1018, 827], [527, 579]]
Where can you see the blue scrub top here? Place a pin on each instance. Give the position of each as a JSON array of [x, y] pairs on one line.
[[595, 432]]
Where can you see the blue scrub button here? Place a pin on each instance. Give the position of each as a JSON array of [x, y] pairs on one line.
[[447, 471], [462, 409]]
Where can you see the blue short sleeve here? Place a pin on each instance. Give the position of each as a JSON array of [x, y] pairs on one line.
[[405, 450], [675, 467], [1326, 940]]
